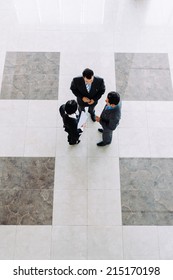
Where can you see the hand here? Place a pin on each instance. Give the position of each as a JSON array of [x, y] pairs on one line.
[[84, 125], [85, 99], [91, 102], [97, 119]]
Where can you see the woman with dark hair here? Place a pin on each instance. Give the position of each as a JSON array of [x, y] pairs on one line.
[[70, 121]]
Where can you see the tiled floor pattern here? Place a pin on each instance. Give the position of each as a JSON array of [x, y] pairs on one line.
[[143, 77], [86, 193], [146, 191], [87, 215], [26, 191], [31, 75]]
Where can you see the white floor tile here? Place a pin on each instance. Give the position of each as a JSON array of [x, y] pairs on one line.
[[159, 106], [70, 207], [40, 142], [161, 140], [13, 113], [69, 243], [165, 242], [71, 173], [133, 119], [140, 242], [33, 242], [42, 113], [102, 243], [104, 207], [133, 142], [7, 242], [12, 140], [100, 177]]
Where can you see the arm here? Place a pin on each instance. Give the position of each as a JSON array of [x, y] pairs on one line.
[[62, 110], [75, 89], [100, 90]]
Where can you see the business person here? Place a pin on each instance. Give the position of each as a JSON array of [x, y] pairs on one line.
[[70, 121], [88, 89], [109, 118]]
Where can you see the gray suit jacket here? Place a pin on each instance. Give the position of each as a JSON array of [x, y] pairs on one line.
[[109, 119]]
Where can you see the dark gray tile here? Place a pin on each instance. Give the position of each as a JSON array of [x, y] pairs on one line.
[[139, 218], [43, 87], [26, 207], [38, 174], [11, 174], [143, 77], [15, 87], [148, 84], [146, 191], [31, 75], [142, 60], [26, 191]]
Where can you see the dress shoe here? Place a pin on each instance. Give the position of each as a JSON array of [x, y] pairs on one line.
[[101, 144], [100, 130], [93, 117], [77, 142]]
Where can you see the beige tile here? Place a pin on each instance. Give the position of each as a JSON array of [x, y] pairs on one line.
[[140, 243], [69, 243], [7, 242], [104, 208], [103, 173], [105, 243], [70, 207], [33, 242]]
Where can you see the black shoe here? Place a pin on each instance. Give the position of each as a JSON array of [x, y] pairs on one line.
[[77, 142], [101, 144], [100, 130], [93, 117]]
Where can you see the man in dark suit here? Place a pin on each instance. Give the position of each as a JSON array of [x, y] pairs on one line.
[[70, 120], [88, 89], [109, 118]]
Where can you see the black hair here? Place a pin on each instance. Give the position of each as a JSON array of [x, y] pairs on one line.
[[88, 73], [113, 97], [71, 107]]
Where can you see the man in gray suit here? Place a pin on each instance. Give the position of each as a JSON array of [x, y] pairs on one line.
[[109, 118]]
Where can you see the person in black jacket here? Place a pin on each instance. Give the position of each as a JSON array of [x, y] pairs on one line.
[[88, 89], [70, 120], [109, 118]]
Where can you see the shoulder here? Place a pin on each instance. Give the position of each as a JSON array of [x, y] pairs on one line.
[[62, 108], [78, 79], [99, 79]]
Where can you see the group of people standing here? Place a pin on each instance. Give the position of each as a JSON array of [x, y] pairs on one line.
[[88, 89]]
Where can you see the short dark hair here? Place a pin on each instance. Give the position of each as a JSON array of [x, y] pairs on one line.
[[113, 97], [71, 107], [88, 73]]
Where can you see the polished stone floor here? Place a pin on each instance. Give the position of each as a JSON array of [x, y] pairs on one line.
[[84, 201], [146, 191], [31, 75], [143, 76], [26, 191]]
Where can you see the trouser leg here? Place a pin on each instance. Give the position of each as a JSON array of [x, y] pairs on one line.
[[107, 136], [91, 109], [81, 105]]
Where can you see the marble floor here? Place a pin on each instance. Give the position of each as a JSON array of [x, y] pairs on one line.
[[86, 202]]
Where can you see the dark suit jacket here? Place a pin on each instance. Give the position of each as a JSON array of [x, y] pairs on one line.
[[78, 88], [70, 125], [109, 119]]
